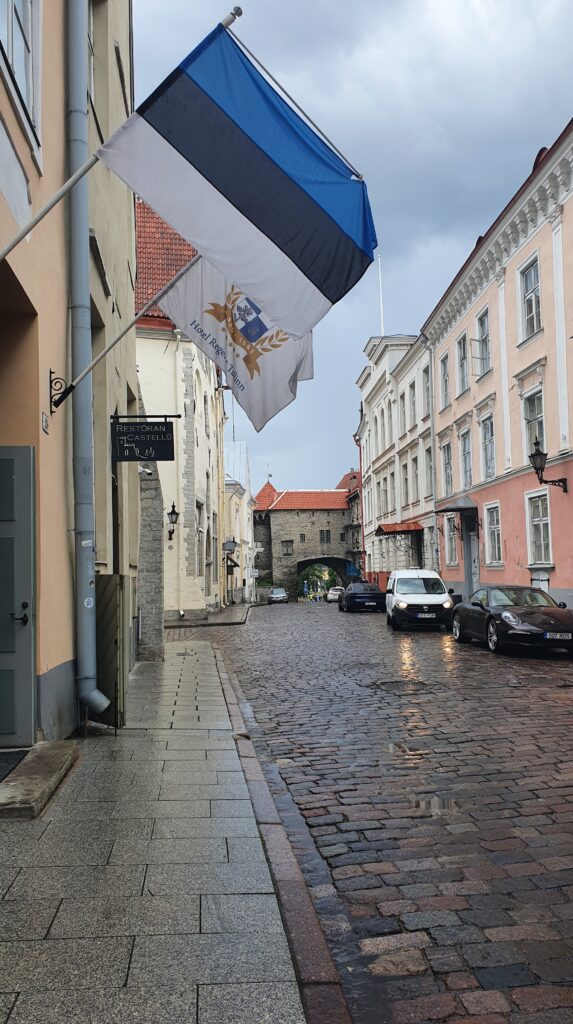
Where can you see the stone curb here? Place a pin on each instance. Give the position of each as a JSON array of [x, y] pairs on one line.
[[205, 624], [319, 982], [28, 788]]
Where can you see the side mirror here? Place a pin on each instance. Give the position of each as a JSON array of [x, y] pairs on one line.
[[388, 591], [562, 604], [451, 591], [477, 604]]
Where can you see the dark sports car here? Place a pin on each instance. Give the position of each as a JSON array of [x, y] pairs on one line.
[[513, 615], [362, 597]]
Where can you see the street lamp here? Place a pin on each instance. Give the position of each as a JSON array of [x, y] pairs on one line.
[[173, 516], [538, 460]]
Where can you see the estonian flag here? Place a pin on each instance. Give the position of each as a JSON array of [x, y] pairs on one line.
[[225, 160]]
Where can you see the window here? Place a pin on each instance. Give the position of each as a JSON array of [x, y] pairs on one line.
[[426, 389], [392, 492], [385, 496], [533, 414], [492, 534], [302, 538], [375, 449], [342, 536], [451, 550], [488, 448], [200, 534], [382, 430], [466, 453], [16, 42], [445, 381], [429, 482], [402, 414], [389, 423], [447, 464], [539, 539], [325, 536], [415, 481], [215, 569], [378, 498], [530, 299], [483, 358], [463, 376], [287, 547], [405, 494], [413, 417]]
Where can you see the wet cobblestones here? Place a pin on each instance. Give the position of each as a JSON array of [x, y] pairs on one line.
[[436, 783]]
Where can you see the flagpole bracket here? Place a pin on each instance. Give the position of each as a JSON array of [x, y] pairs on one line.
[[57, 387], [235, 13]]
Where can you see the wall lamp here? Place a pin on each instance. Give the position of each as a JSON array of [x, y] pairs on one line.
[[538, 460], [173, 516]]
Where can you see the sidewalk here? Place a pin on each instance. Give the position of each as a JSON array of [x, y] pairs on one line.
[[233, 615], [142, 894]]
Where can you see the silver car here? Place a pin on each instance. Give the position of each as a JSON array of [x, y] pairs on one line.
[[277, 595]]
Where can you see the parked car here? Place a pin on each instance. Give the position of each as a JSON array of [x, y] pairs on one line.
[[362, 597], [417, 597], [277, 595], [333, 594], [503, 615]]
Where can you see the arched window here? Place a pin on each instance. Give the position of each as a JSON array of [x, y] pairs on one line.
[[389, 423], [382, 430], [375, 446], [206, 413]]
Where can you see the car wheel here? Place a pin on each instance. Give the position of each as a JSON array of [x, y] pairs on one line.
[[339, 607], [395, 625], [388, 620], [457, 630], [492, 637]]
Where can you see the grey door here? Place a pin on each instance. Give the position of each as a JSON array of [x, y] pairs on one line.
[[17, 618]]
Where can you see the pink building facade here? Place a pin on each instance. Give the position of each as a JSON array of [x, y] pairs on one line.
[[502, 355]]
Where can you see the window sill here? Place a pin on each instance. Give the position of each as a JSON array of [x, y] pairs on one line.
[[426, 416], [444, 407], [460, 394], [452, 565], [531, 337], [485, 374], [547, 566], [494, 565]]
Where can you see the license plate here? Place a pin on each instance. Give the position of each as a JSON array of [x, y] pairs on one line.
[[557, 636], [370, 604], [426, 615]]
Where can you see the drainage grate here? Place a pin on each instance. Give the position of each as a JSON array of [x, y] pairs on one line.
[[9, 759]]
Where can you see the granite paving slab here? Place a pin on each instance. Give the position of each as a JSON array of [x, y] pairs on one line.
[[58, 851], [116, 828], [64, 963], [97, 810], [250, 1004], [26, 829], [240, 914], [187, 790], [26, 919], [221, 959], [161, 809], [204, 828], [207, 878], [136, 915], [170, 851], [7, 876], [231, 808], [118, 1006], [200, 742], [7, 1000], [245, 850], [42, 883], [175, 772]]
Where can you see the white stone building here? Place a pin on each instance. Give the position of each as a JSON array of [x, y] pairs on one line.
[[239, 526]]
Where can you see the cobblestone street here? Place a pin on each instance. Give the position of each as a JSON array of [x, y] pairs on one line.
[[436, 782]]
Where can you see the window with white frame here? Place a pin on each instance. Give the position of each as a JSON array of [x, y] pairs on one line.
[[402, 414], [382, 430], [492, 535], [531, 308], [378, 499], [375, 447], [426, 389], [16, 41], [392, 492], [447, 466], [488, 448], [466, 457], [412, 393], [463, 374], [415, 479], [539, 534], [533, 415], [429, 481], [483, 355], [451, 548], [389, 423], [384, 495], [405, 489], [445, 381]]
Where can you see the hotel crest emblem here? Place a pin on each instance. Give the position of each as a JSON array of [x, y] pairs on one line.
[[248, 333]]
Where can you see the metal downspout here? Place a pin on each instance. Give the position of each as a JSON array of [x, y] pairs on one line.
[[430, 351], [81, 339]]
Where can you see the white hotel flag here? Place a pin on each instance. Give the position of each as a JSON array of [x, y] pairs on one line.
[[261, 362], [225, 160]]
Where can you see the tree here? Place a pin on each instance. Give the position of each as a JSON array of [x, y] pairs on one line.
[[317, 577]]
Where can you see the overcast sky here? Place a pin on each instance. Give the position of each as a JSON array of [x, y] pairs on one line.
[[442, 105]]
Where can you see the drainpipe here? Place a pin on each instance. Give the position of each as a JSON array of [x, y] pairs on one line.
[[430, 351], [359, 446], [81, 337]]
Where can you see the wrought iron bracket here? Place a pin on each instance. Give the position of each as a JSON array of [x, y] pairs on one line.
[[57, 385], [560, 482]]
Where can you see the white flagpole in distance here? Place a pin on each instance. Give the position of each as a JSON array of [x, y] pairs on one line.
[[81, 171]]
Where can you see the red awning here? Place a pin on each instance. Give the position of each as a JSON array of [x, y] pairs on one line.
[[409, 526]]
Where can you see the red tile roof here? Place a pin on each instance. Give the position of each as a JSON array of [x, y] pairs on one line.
[[265, 497], [161, 252], [350, 481], [290, 500], [408, 526]]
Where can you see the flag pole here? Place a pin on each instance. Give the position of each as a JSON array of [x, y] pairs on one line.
[[152, 302], [235, 13], [69, 184]]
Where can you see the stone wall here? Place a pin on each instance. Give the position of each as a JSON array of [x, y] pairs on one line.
[[293, 526], [150, 569], [262, 536]]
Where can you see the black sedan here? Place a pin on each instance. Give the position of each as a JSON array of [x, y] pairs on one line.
[[513, 615], [362, 597]]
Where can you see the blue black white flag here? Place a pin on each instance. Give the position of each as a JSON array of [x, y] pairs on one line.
[[225, 160], [261, 362]]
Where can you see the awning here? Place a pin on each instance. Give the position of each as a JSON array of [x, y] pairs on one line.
[[409, 526], [462, 504]]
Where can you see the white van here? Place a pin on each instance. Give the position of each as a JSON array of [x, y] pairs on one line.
[[417, 597]]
